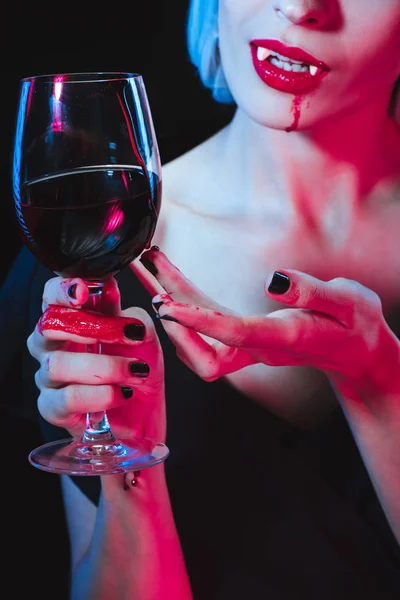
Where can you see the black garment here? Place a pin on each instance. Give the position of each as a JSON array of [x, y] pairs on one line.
[[263, 510]]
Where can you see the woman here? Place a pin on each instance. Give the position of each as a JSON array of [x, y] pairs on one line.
[[283, 475]]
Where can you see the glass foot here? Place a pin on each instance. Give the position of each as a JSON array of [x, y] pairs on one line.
[[74, 457]]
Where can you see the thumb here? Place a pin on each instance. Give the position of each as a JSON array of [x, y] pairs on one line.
[[338, 298]]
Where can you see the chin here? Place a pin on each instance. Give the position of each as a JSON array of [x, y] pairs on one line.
[[278, 110], [282, 114]]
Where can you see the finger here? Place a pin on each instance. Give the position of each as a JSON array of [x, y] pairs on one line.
[[206, 359], [110, 303], [64, 292], [145, 355], [342, 299], [60, 323], [276, 330], [148, 281], [284, 337], [185, 322], [62, 368], [209, 360], [66, 407], [42, 341], [174, 282], [38, 344], [137, 314], [74, 293]]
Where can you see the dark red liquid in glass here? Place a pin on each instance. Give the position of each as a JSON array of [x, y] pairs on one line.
[[90, 222]]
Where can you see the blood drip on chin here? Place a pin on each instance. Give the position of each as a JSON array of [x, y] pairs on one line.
[[296, 112]]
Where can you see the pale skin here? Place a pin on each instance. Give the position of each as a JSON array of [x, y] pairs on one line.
[[132, 523], [240, 206]]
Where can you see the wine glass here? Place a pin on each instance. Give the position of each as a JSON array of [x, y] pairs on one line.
[[87, 194]]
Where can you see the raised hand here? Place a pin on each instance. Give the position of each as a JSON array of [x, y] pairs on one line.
[[335, 326]]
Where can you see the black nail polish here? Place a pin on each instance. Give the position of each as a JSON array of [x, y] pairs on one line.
[[155, 248], [167, 318], [139, 369], [72, 291], [127, 392], [149, 265], [280, 283], [135, 331], [157, 305]]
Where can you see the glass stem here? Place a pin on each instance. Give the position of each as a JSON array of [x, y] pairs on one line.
[[97, 429]]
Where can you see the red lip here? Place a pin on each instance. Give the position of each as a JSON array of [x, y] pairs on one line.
[[287, 81]]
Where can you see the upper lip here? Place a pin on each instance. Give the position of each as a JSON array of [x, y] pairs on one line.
[[291, 52]]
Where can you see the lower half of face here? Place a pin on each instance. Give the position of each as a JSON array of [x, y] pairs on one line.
[[353, 62]]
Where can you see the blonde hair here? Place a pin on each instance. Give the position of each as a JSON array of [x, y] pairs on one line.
[[202, 43]]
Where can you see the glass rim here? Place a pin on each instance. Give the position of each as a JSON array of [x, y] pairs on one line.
[[83, 77]]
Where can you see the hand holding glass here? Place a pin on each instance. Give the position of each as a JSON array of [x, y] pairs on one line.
[[87, 194]]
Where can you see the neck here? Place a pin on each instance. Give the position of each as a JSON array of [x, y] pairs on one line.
[[350, 153]]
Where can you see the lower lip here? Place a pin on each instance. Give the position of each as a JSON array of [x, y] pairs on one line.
[[290, 82]]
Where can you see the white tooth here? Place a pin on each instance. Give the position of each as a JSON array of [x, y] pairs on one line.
[[277, 63], [313, 70], [262, 53]]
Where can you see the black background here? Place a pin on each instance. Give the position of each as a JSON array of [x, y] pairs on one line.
[[142, 37], [147, 37]]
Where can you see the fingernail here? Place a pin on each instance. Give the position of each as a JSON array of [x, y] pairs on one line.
[[135, 331], [127, 392], [149, 266], [139, 369], [72, 291], [280, 283], [167, 318], [155, 248], [157, 305]]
